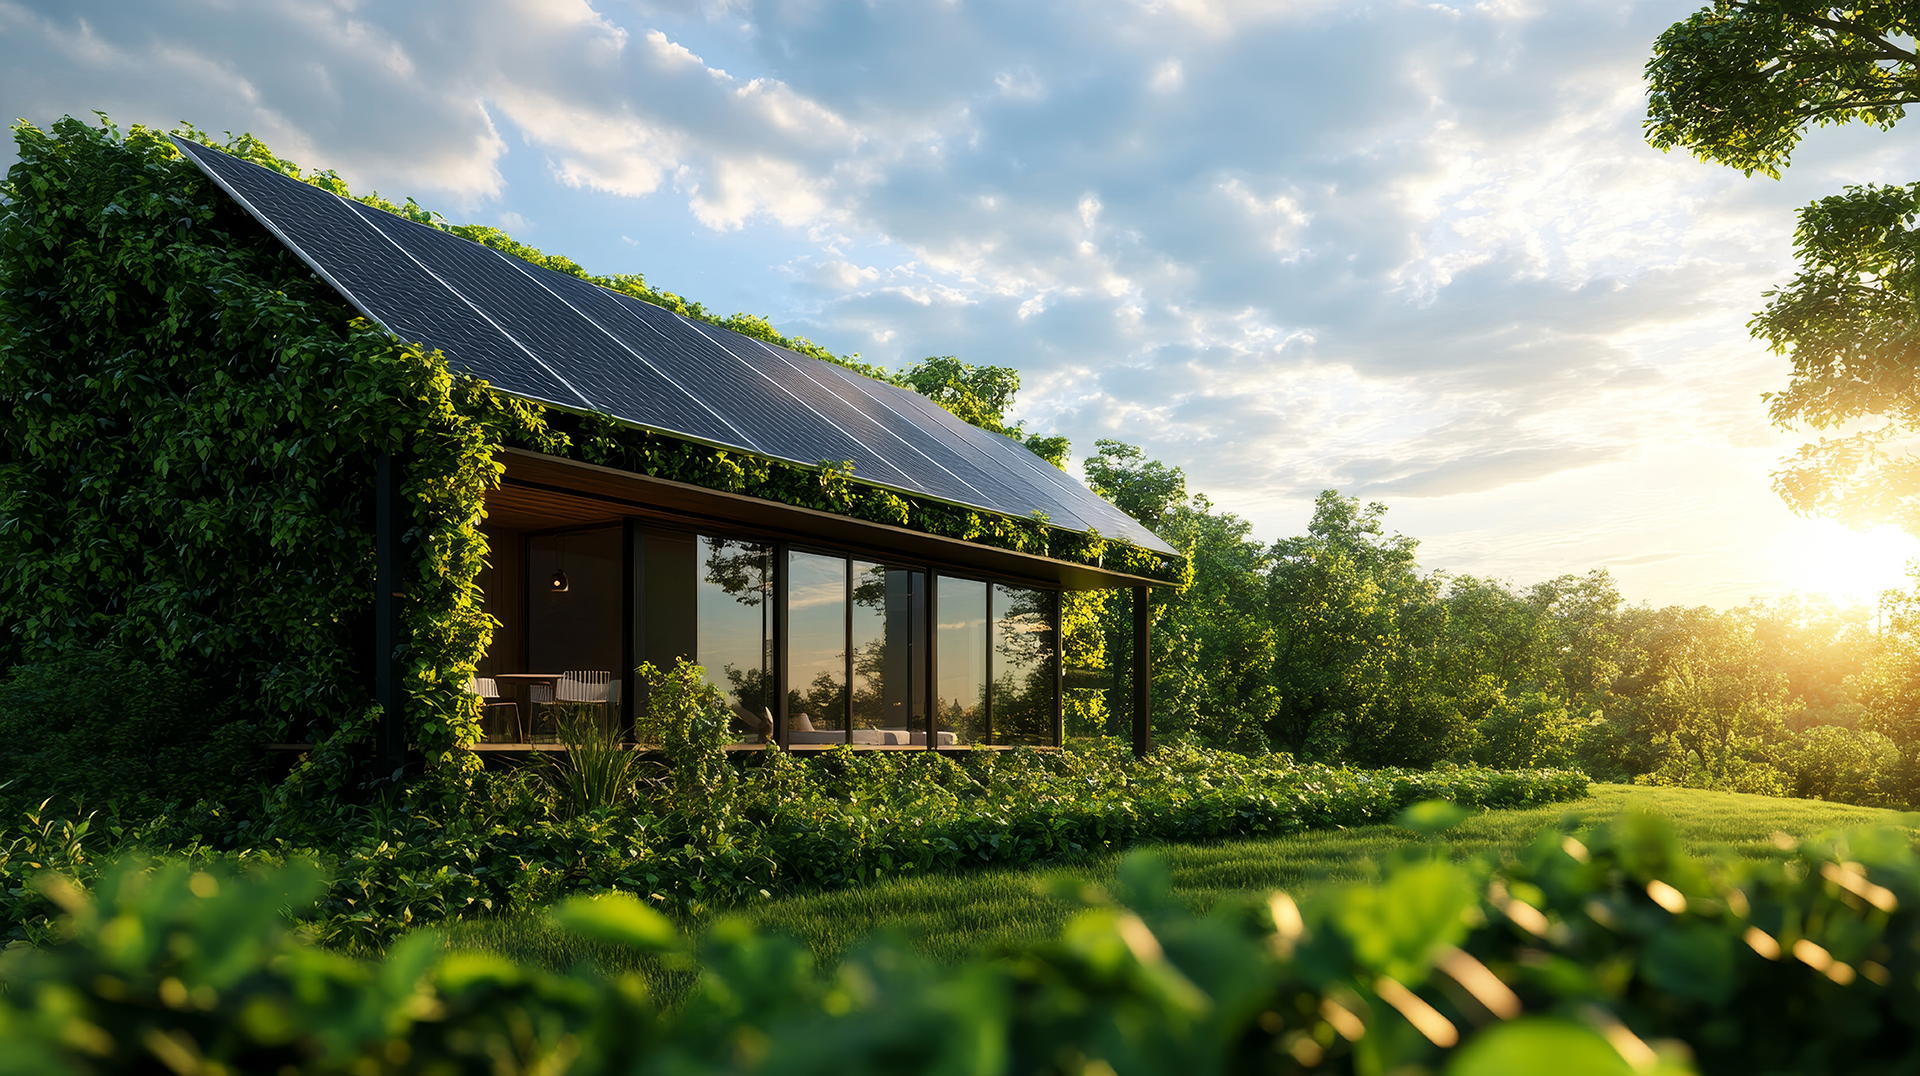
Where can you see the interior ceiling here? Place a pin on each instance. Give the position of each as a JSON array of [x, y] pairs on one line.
[[554, 338], [517, 508]]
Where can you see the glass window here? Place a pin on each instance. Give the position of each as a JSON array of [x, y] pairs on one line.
[[574, 602], [960, 714], [734, 629], [1023, 644], [816, 648], [889, 647]]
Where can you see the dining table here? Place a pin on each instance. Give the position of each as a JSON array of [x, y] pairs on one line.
[[518, 684]]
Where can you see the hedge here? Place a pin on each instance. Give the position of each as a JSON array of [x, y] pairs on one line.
[[1610, 954], [783, 826]]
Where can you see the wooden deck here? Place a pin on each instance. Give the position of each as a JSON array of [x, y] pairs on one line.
[[797, 749]]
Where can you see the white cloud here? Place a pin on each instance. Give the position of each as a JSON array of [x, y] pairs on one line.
[[1414, 249]]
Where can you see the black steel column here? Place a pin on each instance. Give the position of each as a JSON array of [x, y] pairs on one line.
[[933, 659], [986, 689], [780, 644], [1142, 671], [846, 640], [1059, 673], [389, 581]]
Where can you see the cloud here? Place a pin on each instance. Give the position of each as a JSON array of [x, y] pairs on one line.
[[1406, 249], [1483, 471]]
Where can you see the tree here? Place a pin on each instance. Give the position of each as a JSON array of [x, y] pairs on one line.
[[979, 396], [1358, 635], [1847, 322], [1740, 82], [1145, 489], [1221, 691]]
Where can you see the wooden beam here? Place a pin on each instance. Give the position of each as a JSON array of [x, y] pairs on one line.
[[590, 493]]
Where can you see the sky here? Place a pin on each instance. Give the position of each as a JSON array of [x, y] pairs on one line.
[[1416, 252]]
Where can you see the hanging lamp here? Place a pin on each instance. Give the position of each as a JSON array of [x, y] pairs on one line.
[[558, 583]]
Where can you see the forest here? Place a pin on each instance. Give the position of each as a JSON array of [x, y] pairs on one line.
[[1334, 645]]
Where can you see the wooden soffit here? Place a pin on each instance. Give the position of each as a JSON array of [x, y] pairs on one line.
[[541, 492]]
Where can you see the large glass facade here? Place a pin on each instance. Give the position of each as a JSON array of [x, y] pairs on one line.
[[733, 617], [872, 654], [816, 648], [1023, 665], [573, 584], [960, 709], [887, 637]]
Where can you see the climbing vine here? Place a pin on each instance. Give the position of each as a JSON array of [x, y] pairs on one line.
[[187, 472]]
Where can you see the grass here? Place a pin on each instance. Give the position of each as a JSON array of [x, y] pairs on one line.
[[951, 917]]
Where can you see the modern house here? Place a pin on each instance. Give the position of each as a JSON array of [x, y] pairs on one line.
[[821, 626]]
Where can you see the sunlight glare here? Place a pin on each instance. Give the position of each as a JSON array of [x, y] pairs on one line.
[[1848, 566]]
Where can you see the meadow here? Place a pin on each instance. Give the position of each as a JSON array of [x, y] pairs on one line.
[[951, 917]]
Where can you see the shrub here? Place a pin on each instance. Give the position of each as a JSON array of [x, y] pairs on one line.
[[1617, 955], [426, 854], [598, 773], [101, 728]]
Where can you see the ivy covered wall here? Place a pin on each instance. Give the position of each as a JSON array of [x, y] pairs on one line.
[[187, 472]]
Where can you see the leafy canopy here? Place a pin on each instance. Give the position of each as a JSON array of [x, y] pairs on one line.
[[1739, 82]]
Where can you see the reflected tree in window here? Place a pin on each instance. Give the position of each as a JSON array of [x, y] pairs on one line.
[[888, 632], [1023, 642], [735, 633]]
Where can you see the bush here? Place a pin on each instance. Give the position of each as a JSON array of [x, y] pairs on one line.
[[1615, 956], [428, 853], [100, 728]]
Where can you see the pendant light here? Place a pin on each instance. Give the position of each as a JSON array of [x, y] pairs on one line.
[[558, 583]]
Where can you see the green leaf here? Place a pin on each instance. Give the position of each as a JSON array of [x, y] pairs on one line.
[[1690, 960], [1432, 816], [1536, 1045], [1396, 928], [618, 918]]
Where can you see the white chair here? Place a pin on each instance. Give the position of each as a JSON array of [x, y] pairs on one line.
[[490, 702], [595, 687]]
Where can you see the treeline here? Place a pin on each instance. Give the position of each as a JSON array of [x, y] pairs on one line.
[[1335, 646]]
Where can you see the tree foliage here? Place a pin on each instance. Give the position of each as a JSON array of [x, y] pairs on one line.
[[1145, 489], [1335, 645], [1740, 81], [1847, 323]]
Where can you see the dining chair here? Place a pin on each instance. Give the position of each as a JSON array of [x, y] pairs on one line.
[[595, 687], [491, 702]]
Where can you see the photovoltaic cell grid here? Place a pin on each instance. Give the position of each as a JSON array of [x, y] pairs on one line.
[[556, 339]]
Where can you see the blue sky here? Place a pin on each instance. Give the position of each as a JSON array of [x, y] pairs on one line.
[[1416, 252]]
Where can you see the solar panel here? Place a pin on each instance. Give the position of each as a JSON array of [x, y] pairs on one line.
[[556, 339]]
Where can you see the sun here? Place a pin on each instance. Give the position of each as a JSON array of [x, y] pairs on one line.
[[1850, 567]]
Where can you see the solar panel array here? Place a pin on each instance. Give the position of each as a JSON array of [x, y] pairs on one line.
[[553, 338]]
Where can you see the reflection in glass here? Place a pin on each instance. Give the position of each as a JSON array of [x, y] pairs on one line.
[[889, 680], [1023, 640], [816, 647], [734, 618], [961, 704]]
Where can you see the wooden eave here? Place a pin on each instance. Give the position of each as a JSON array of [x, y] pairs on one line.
[[541, 492]]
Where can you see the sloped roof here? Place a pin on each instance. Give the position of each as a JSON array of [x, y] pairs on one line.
[[559, 340]]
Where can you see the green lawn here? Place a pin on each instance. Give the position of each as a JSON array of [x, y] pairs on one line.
[[950, 917]]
